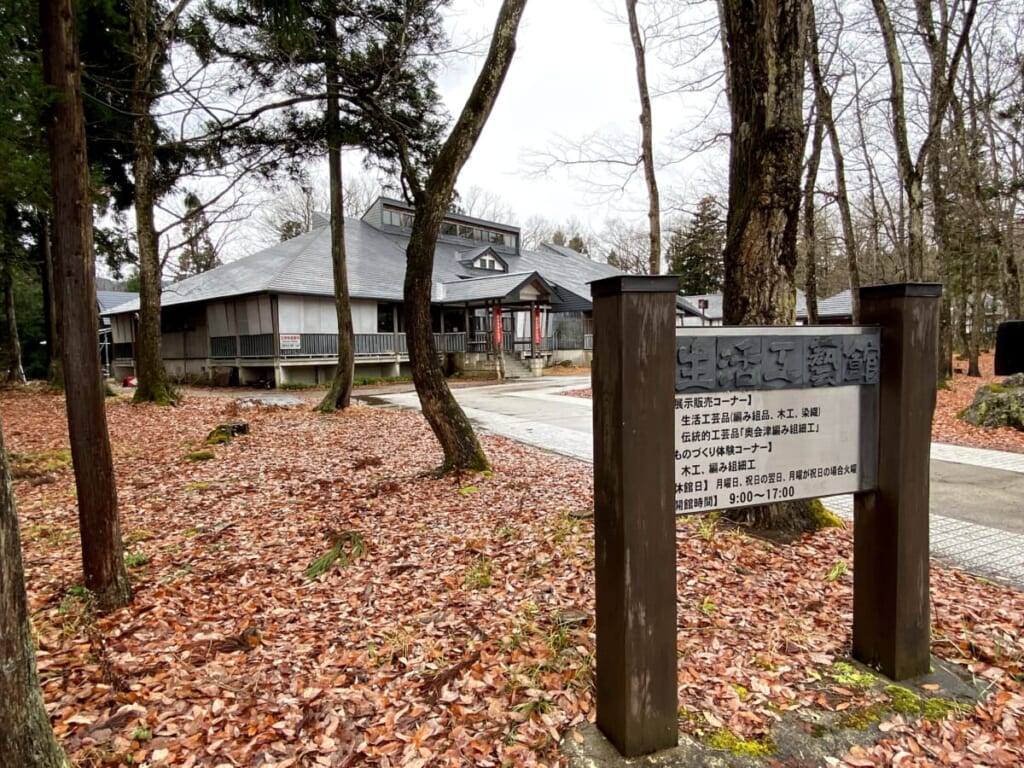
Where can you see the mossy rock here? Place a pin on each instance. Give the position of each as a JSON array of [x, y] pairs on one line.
[[225, 433], [1016, 381], [998, 405]]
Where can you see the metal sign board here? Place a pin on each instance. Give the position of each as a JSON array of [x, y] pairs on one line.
[[774, 414], [291, 341]]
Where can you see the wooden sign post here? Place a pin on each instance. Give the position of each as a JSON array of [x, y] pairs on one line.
[[891, 617], [713, 418], [634, 519]]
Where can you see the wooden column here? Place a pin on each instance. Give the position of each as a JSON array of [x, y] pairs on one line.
[[891, 617], [634, 512]]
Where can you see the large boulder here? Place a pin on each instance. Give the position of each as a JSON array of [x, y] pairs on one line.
[[998, 405]]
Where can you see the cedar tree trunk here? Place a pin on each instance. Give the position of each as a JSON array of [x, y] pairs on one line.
[[764, 45], [51, 310], [340, 393], [99, 527], [26, 738], [451, 427], [153, 383]]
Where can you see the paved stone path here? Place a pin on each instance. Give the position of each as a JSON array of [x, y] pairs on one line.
[[991, 552], [534, 412]]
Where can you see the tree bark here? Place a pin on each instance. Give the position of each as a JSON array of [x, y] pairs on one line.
[[765, 56], [26, 738], [51, 310], [446, 418], [339, 395], [153, 382], [15, 372], [646, 141], [810, 237], [977, 321], [764, 44], [102, 559]]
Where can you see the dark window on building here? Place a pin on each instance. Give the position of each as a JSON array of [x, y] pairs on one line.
[[385, 318]]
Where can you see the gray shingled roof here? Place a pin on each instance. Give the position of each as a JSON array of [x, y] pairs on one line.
[[836, 306], [840, 305], [490, 288], [684, 304], [376, 269], [110, 299]]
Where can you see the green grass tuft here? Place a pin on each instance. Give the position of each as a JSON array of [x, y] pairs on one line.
[[346, 548]]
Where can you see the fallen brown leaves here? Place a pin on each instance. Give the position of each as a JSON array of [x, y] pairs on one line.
[[947, 428], [460, 637]]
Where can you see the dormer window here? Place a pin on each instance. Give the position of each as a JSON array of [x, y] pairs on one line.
[[487, 261]]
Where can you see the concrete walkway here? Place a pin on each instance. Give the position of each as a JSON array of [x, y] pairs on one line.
[[980, 493]]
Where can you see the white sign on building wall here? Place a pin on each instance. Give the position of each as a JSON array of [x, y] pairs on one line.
[[291, 341]]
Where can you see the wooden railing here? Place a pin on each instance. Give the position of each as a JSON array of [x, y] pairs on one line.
[[256, 345], [223, 346], [314, 345]]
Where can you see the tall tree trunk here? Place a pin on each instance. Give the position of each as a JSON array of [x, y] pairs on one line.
[[15, 372], [962, 314], [810, 237], [340, 393], [51, 310], [823, 101], [446, 418], [764, 45], [153, 382], [646, 140], [977, 320], [26, 738], [99, 527]]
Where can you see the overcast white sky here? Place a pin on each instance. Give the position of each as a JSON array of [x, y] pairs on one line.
[[573, 77]]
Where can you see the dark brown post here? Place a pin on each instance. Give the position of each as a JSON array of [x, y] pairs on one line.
[[891, 617], [634, 512]]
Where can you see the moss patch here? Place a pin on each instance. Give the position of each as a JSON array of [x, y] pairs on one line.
[[200, 456], [821, 517], [730, 742], [903, 701], [38, 464], [850, 676]]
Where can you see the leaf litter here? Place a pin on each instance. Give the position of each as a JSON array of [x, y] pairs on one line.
[[461, 635]]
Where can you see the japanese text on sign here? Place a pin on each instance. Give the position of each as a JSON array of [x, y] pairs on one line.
[[762, 416], [728, 362]]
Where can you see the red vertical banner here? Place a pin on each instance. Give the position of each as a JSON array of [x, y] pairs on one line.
[[498, 336], [536, 326]]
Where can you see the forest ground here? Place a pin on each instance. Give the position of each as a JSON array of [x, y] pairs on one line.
[[463, 634]]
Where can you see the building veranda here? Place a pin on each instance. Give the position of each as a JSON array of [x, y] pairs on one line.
[[270, 317]]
